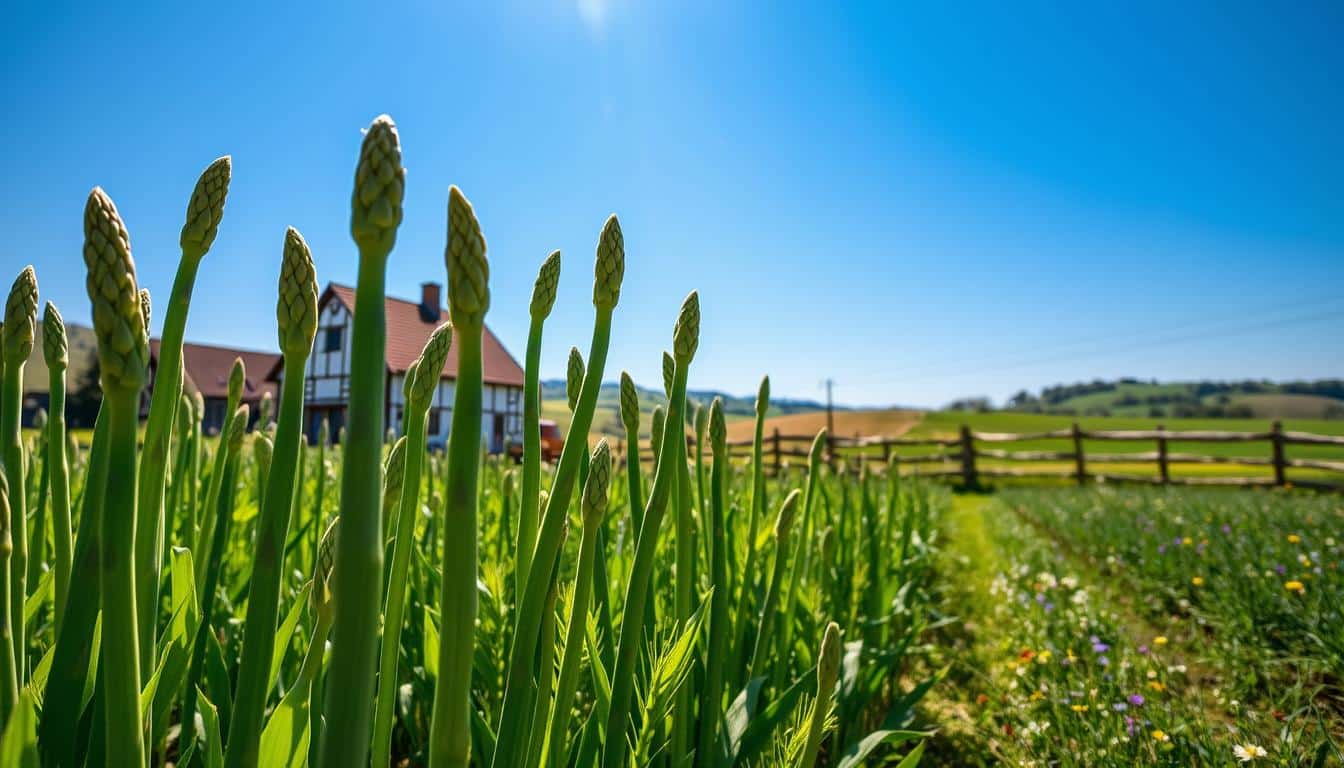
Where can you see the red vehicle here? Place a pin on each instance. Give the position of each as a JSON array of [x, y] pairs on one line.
[[551, 442]]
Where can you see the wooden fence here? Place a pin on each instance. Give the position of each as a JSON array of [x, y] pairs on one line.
[[971, 457]]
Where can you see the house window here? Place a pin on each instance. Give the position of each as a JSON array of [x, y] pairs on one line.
[[333, 339], [433, 427]]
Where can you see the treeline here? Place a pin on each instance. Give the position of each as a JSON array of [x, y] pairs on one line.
[[1197, 399]]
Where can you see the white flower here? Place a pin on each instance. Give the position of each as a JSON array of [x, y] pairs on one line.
[[1247, 752]]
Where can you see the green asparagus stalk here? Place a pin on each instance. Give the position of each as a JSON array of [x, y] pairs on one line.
[[37, 550], [422, 382], [54, 352], [204, 212], [594, 507], [230, 445], [123, 356], [711, 699], [783, 525], [545, 668], [800, 564], [9, 679], [74, 643], [237, 376], [656, 424], [543, 300], [394, 473], [608, 273], [20, 331], [296, 316], [828, 670], [468, 301], [375, 214], [630, 420], [685, 340], [684, 596], [755, 510]]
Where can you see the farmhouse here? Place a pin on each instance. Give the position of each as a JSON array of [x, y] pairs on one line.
[[206, 368], [409, 324]]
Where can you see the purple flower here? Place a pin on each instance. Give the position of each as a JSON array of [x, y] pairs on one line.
[[1279, 569], [1103, 661], [1040, 598], [1099, 647], [1119, 706], [1227, 528], [1049, 607], [1161, 549], [1136, 699], [1143, 649], [1129, 725]]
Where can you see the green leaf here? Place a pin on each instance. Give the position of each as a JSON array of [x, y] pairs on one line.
[[858, 751], [911, 760], [738, 717], [431, 647], [286, 630], [286, 737], [18, 746], [39, 596]]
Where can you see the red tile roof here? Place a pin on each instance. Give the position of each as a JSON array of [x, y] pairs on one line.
[[407, 333], [206, 367]]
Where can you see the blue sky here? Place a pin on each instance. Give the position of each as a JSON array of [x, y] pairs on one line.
[[921, 203]]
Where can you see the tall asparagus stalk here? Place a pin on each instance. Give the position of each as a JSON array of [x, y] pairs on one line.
[[237, 377], [231, 444], [800, 564], [9, 678], [20, 331], [759, 656], [204, 212], [422, 382], [514, 721], [594, 507], [756, 509], [123, 356], [828, 670], [468, 301], [296, 316], [630, 420], [54, 352], [711, 699], [543, 300], [686, 338], [375, 214]]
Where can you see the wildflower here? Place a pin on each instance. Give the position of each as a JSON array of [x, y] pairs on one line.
[[1157, 685], [1043, 657], [1143, 650], [1079, 707], [982, 699], [1293, 538], [1098, 646], [1036, 696], [1198, 581], [1187, 541], [1136, 699], [1295, 586], [1160, 640], [1160, 736], [1245, 753]]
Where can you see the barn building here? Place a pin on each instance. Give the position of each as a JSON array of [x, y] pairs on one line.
[[409, 324]]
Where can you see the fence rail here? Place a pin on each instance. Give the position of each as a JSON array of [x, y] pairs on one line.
[[965, 456]]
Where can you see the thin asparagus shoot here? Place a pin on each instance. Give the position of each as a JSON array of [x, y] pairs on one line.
[[19, 335], [543, 300]]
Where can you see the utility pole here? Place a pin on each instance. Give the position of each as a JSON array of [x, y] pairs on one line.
[[830, 409]]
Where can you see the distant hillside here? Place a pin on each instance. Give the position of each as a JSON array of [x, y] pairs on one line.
[[1321, 399], [607, 419]]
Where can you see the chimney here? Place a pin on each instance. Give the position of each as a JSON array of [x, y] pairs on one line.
[[430, 306]]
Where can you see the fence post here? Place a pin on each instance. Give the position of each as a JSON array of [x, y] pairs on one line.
[[1079, 463], [886, 452], [968, 474], [1276, 440], [1163, 472], [775, 440], [830, 449]]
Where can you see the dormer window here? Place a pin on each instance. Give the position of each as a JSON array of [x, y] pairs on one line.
[[333, 339]]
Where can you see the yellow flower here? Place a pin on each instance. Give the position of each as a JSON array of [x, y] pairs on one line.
[[1295, 586], [1043, 657], [1160, 640], [1198, 581], [1157, 685], [1036, 696], [1187, 541], [1160, 735], [1293, 538], [1079, 707]]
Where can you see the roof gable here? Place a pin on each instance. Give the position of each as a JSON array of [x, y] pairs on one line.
[[407, 334]]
